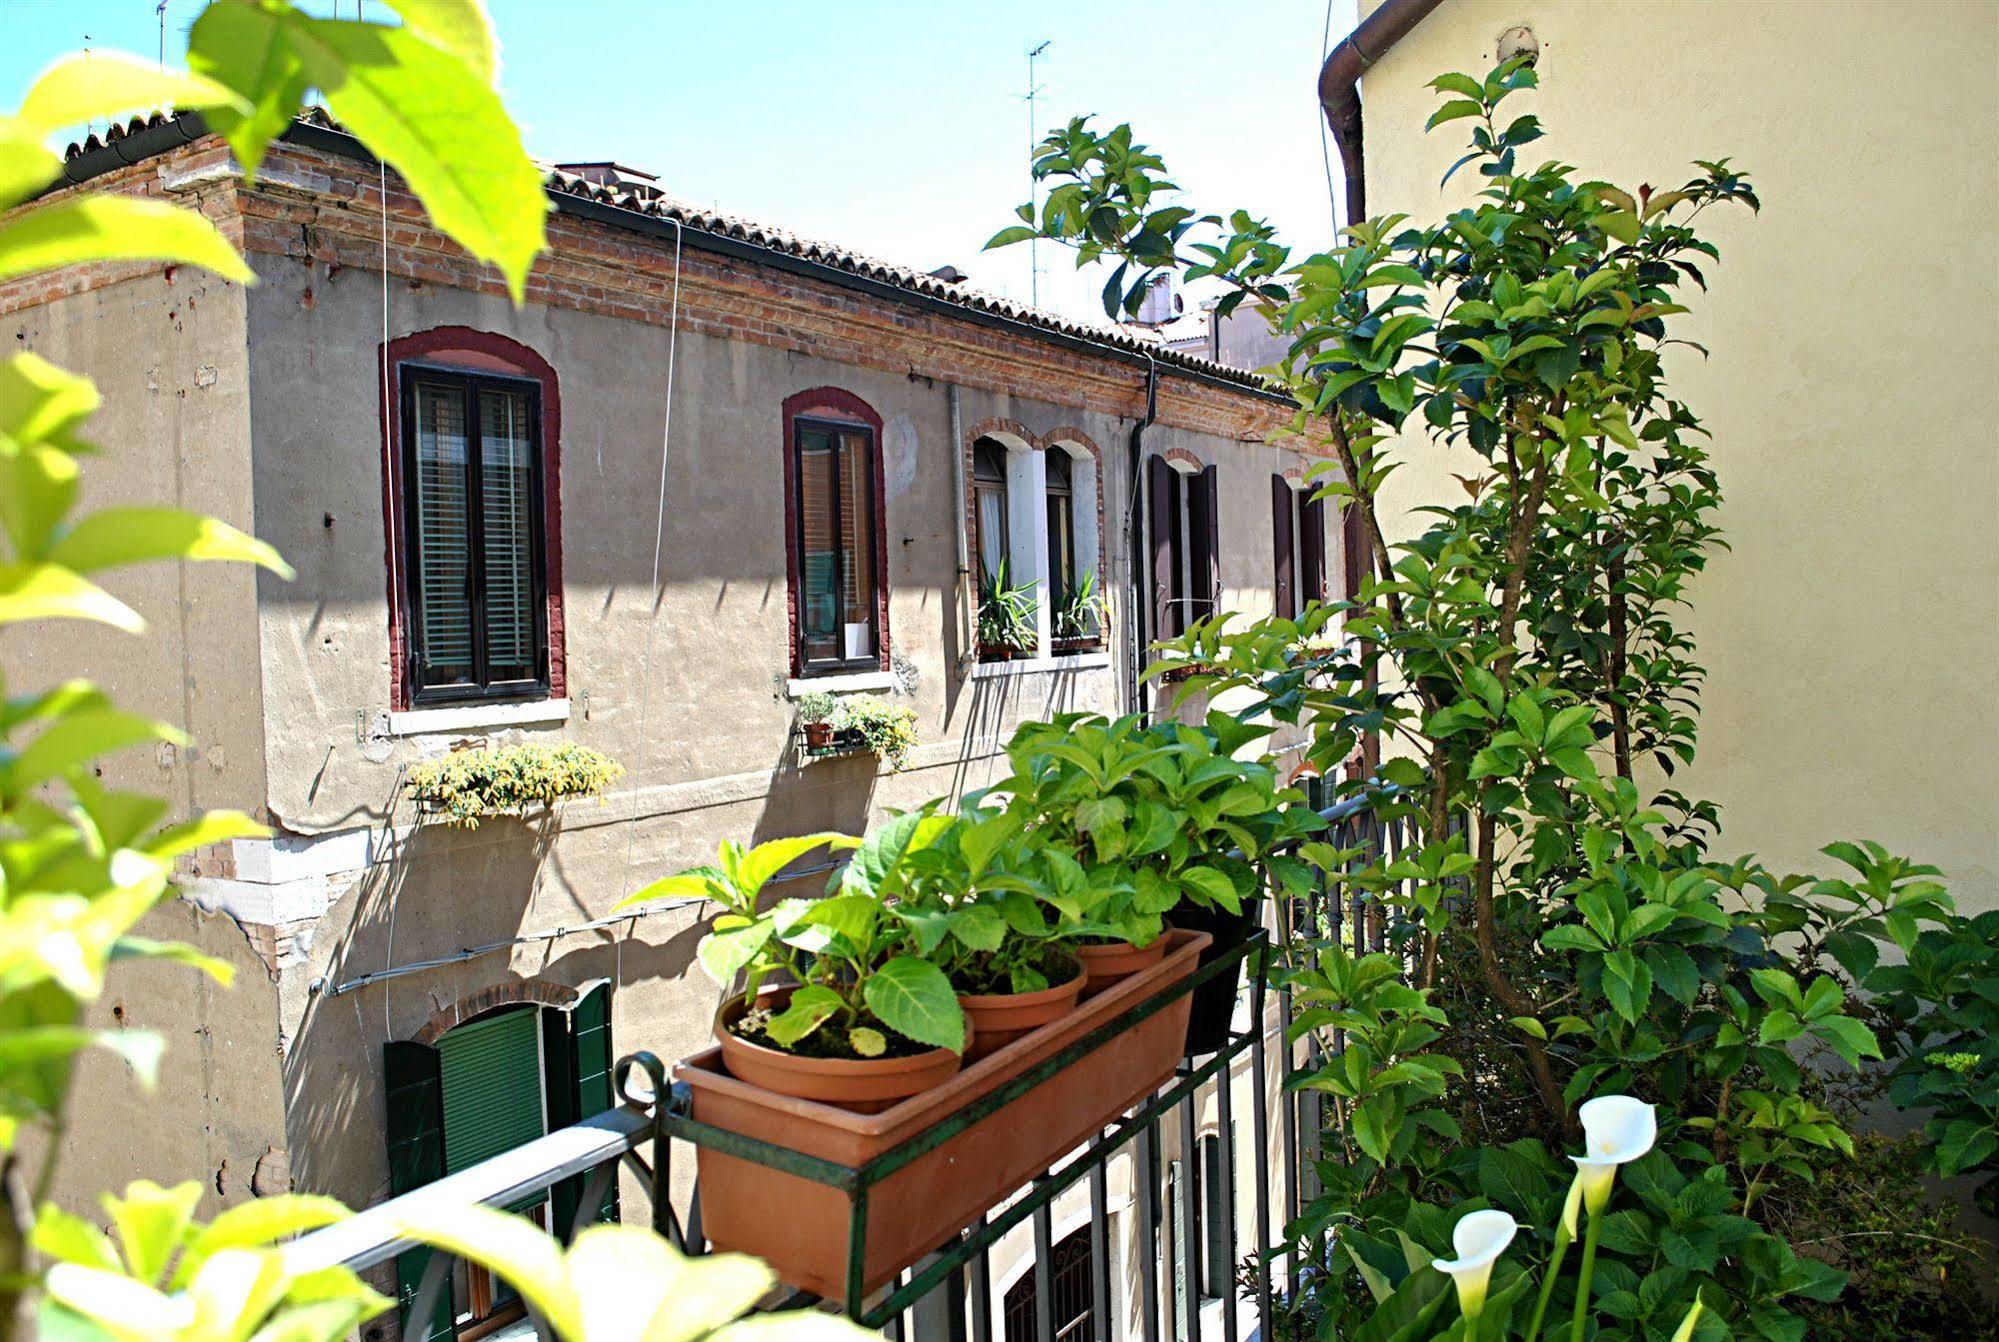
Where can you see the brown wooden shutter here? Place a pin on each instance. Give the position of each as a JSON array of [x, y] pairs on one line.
[[1164, 521], [1353, 542], [1312, 551], [1204, 520], [1286, 602]]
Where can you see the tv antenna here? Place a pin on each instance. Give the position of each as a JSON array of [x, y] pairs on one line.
[[1032, 95]]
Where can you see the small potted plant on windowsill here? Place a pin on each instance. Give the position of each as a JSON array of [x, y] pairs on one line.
[[815, 715], [870, 722], [1006, 617], [1079, 614], [466, 786]]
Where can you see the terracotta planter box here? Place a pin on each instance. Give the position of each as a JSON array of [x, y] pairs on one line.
[[801, 1228]]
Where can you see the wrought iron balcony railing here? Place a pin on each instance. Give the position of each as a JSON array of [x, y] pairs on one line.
[[1171, 1228]]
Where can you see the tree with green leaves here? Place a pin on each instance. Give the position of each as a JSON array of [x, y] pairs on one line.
[[1521, 656]]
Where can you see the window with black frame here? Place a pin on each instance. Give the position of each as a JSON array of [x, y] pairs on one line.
[[474, 578], [838, 579], [1062, 568], [989, 512]]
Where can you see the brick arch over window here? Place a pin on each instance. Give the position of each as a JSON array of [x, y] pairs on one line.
[[472, 351], [839, 405], [533, 992]]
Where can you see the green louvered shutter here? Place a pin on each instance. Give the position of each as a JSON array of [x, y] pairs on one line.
[[582, 1087], [416, 1157], [492, 1088]]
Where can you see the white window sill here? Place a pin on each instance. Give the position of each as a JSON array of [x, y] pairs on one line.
[[1027, 666], [478, 717], [849, 683]]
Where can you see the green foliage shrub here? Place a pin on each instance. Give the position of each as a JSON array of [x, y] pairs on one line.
[[467, 786]]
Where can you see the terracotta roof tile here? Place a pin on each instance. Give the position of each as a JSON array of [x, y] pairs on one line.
[[759, 234]]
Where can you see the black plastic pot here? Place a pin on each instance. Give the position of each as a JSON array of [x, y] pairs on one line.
[[1214, 1000]]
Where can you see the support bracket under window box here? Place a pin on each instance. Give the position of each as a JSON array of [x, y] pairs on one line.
[[829, 743]]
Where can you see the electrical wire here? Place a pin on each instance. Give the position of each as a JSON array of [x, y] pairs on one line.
[[658, 550], [1319, 115]]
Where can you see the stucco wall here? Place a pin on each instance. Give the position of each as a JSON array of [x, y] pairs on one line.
[[284, 684], [216, 1115], [714, 760], [168, 357], [1852, 633], [167, 354]]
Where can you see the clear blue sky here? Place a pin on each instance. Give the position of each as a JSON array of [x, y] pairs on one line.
[[893, 128]]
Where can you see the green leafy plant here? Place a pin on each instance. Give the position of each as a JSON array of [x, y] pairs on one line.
[[467, 786], [859, 982], [1943, 1004], [1006, 613], [1153, 816], [1519, 657], [887, 729], [818, 706], [1914, 1271], [160, 1273], [626, 1284], [1079, 608]]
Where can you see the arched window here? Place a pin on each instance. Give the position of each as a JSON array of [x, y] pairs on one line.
[[1070, 1271], [1184, 526], [474, 518], [989, 511], [836, 533], [1075, 585], [1062, 566]]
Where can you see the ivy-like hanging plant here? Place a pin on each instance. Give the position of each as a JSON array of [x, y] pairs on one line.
[[467, 786]]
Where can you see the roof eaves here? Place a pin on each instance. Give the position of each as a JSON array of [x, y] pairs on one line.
[[143, 137]]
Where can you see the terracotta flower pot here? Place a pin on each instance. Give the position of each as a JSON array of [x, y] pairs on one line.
[[863, 1085], [1107, 964], [818, 735], [997, 1019], [801, 1227]]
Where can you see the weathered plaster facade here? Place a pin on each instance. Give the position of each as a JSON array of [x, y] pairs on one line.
[[265, 407], [1858, 493]]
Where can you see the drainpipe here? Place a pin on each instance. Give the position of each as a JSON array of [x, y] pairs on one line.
[[1339, 95], [1339, 86], [1136, 596], [964, 595]]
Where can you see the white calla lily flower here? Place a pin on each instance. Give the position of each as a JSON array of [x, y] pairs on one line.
[[1572, 1207], [1479, 1238], [1617, 1129]]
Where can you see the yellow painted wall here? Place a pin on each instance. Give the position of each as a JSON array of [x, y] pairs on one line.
[[1852, 635]]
